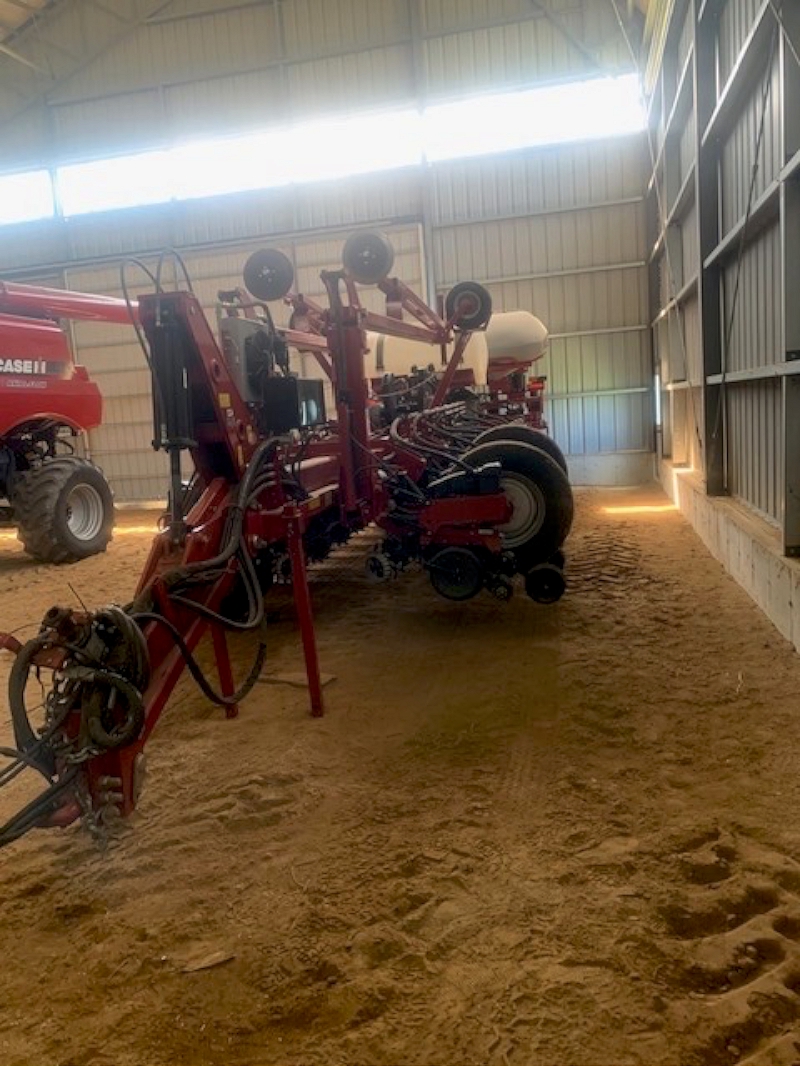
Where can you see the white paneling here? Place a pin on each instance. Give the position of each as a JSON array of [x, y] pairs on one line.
[[548, 179], [738, 154], [755, 450], [538, 245], [355, 82], [440, 16], [600, 301], [735, 22], [158, 53], [312, 27]]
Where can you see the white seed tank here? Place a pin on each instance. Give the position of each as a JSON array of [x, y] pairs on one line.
[[511, 336], [396, 355], [516, 336]]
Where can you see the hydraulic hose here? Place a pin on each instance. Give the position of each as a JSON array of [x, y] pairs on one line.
[[24, 736], [236, 514], [193, 666]]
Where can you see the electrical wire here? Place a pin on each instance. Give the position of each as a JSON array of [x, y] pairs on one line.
[[255, 600], [21, 760], [235, 514], [37, 809], [426, 449], [172, 253], [393, 473], [134, 317], [155, 278]]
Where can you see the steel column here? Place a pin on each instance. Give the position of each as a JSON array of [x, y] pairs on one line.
[[709, 283], [790, 257]]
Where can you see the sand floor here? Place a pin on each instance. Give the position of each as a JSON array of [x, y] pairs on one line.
[[521, 834]]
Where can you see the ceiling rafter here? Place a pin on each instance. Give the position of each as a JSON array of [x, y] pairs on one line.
[[580, 46], [25, 5], [21, 59], [15, 15], [134, 14]]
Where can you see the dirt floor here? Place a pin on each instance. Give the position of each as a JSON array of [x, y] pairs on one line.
[[521, 835]]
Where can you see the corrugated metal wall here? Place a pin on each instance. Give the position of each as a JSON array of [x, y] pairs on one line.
[[183, 68], [562, 233], [726, 221], [558, 231]]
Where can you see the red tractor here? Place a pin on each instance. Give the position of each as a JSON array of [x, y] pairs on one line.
[[61, 503]]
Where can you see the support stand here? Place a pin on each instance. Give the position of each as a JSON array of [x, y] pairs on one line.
[[224, 668], [305, 618]]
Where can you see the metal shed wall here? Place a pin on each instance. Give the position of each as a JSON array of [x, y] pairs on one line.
[[558, 231], [727, 225], [561, 233], [141, 73]]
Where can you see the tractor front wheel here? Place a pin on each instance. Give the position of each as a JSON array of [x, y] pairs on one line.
[[63, 509]]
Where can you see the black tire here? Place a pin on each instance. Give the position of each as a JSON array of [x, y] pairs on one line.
[[268, 274], [368, 257], [545, 583], [46, 501], [469, 305], [526, 435], [541, 488]]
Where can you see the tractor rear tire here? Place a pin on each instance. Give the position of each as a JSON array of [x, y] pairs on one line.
[[63, 509], [540, 495], [525, 435]]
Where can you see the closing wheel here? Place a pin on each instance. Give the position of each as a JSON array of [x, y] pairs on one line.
[[456, 573], [63, 509], [368, 257], [526, 435], [468, 305], [540, 497], [545, 583], [379, 567], [268, 274]]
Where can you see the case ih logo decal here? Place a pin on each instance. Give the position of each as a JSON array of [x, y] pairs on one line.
[[29, 366]]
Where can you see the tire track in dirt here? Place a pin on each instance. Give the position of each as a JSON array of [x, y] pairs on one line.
[[733, 937]]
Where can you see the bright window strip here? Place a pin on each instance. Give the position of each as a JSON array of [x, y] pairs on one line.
[[327, 149], [554, 114], [25, 197], [109, 184]]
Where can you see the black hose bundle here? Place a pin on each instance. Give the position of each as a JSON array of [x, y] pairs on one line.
[[180, 580], [194, 667]]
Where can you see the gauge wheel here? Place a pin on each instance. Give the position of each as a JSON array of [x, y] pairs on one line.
[[540, 497], [526, 435], [268, 274], [368, 257], [468, 305]]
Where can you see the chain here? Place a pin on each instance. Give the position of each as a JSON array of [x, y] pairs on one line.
[[102, 821], [90, 818]]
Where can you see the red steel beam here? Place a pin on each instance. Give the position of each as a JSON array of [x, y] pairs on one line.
[[61, 303]]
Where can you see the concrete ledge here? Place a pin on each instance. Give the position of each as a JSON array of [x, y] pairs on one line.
[[748, 548], [612, 469]]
